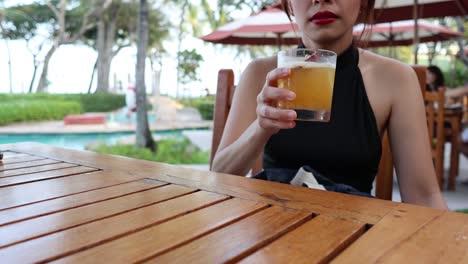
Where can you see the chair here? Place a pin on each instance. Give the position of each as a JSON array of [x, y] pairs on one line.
[[435, 121], [225, 91]]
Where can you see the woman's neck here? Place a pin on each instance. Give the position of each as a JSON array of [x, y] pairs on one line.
[[337, 46]]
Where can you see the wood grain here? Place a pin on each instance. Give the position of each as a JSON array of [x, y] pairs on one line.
[[19, 159], [28, 193], [317, 241], [40, 226], [72, 240], [443, 240], [28, 164], [67, 171], [163, 237], [36, 169], [59, 204], [237, 240], [395, 228]]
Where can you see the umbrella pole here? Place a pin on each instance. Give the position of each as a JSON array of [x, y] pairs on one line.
[[279, 40], [416, 31]]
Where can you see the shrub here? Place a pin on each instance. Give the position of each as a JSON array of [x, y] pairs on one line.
[[42, 106], [30, 110], [170, 150], [101, 102], [205, 105], [463, 211]]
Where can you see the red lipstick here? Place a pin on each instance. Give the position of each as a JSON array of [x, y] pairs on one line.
[[323, 18]]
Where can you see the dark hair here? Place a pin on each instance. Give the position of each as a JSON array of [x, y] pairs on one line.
[[439, 80], [366, 16]]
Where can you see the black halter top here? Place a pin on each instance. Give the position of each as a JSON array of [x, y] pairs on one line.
[[348, 148]]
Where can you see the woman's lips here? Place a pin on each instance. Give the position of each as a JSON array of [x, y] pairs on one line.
[[322, 18]]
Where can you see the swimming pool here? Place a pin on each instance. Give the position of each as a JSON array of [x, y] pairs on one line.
[[78, 141]]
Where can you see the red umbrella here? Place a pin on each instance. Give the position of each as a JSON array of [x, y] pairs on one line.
[[401, 33], [396, 10], [271, 26]]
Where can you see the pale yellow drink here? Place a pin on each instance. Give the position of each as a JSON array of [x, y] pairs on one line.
[[313, 84]]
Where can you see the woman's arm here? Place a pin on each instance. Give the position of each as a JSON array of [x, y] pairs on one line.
[[253, 117], [409, 139]]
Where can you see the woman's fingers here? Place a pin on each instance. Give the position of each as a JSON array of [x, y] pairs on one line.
[[270, 112], [273, 76], [270, 124]]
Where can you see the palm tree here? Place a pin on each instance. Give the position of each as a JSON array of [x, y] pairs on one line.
[[143, 133]]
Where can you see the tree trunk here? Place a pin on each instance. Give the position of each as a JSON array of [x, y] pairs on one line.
[[460, 41], [143, 133], [10, 78], [33, 76], [105, 43], [179, 45], [41, 87], [92, 77]]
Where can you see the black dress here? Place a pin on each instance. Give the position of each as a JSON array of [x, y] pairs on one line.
[[348, 148]]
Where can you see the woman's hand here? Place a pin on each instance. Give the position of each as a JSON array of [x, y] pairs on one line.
[[270, 118]]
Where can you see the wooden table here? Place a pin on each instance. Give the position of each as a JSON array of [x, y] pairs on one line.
[[77, 206]]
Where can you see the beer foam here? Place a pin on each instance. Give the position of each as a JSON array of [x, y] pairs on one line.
[[304, 64]]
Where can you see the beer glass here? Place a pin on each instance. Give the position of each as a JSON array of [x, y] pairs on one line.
[[312, 78]]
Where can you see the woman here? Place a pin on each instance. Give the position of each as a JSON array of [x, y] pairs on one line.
[[371, 94], [434, 78]]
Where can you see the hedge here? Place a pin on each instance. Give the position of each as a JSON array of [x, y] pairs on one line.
[[29, 110]]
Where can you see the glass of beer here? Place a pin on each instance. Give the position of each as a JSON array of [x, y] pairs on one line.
[[312, 78]]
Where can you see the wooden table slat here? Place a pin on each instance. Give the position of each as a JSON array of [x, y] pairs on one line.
[[169, 234], [63, 172], [237, 240], [449, 244], [33, 192], [10, 154], [393, 229], [21, 158], [72, 240], [29, 164], [60, 204], [43, 225], [316, 241], [36, 169]]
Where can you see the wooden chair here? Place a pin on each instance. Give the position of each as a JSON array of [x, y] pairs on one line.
[[435, 121], [225, 91]]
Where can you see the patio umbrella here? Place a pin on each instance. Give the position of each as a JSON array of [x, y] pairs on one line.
[[401, 33], [271, 26], [396, 10]]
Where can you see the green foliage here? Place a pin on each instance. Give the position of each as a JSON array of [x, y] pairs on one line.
[[42, 106], [34, 110], [205, 105], [101, 102], [463, 211], [170, 150], [188, 68], [457, 76]]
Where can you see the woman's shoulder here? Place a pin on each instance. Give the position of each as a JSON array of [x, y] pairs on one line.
[[254, 75], [385, 71], [261, 66]]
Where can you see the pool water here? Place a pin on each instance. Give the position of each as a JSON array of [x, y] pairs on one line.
[[121, 117], [77, 141]]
